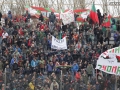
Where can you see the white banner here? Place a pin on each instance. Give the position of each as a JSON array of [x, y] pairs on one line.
[[44, 13], [59, 44], [109, 61], [67, 17], [85, 14]]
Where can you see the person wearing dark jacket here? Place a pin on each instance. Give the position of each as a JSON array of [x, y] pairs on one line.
[[99, 16], [107, 35], [118, 25], [15, 66], [9, 15], [6, 21], [27, 16], [52, 17], [68, 58], [75, 16], [41, 18], [101, 39], [0, 16], [98, 34]]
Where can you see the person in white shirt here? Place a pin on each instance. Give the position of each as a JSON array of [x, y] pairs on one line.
[[4, 36]]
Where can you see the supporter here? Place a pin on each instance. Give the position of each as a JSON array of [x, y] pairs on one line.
[[4, 36], [54, 85], [68, 58], [85, 77], [89, 70], [1, 17], [41, 18], [74, 69], [1, 66], [107, 35], [27, 16], [52, 17], [34, 64], [10, 15], [31, 63], [50, 67], [1, 31]]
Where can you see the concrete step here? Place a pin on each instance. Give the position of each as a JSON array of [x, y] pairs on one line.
[[112, 38], [112, 34], [110, 42]]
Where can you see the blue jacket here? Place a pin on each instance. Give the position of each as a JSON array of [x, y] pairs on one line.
[[49, 43], [115, 36], [49, 68], [18, 49], [9, 15], [34, 63], [75, 68], [12, 61]]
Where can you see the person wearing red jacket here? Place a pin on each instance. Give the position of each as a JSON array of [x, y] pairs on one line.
[[77, 76], [29, 42], [42, 27], [20, 31], [1, 31]]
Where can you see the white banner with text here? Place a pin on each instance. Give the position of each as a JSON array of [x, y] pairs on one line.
[[59, 44], [67, 17], [109, 61]]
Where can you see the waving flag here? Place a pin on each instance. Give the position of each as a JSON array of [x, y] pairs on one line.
[[32, 11], [107, 22], [93, 14]]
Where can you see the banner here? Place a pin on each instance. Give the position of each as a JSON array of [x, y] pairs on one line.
[[85, 14], [109, 61], [67, 17], [32, 11], [44, 13], [59, 44]]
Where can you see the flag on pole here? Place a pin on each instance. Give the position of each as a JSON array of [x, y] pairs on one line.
[[93, 14], [107, 22], [32, 11]]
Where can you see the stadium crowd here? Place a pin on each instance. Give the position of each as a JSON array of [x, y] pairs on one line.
[[27, 61]]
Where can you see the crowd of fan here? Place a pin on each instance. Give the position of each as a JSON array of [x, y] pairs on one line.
[[27, 61]]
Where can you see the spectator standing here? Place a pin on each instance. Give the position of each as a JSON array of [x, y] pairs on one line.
[[107, 35], [85, 78], [74, 70], [89, 70], [0, 16], [68, 58], [52, 17], [10, 15], [41, 18], [50, 68], [4, 36], [54, 85], [27, 16], [118, 25]]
